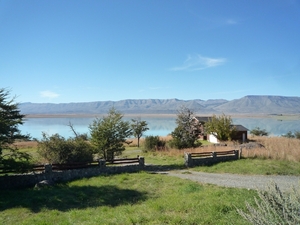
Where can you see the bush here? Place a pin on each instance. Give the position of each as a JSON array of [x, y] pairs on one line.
[[290, 134], [153, 143], [180, 142], [297, 134], [258, 132], [274, 207], [57, 149]]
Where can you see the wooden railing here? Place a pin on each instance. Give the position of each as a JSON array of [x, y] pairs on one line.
[[208, 158], [76, 165]]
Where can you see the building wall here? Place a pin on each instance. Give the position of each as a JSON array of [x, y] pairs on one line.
[[211, 138], [241, 136]]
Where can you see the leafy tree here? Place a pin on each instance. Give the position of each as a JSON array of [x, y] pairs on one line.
[[10, 119], [108, 134], [138, 128], [221, 127], [57, 149], [187, 132], [258, 132]]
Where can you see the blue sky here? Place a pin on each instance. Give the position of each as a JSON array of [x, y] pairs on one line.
[[80, 51]]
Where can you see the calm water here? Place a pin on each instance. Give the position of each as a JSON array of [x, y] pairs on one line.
[[158, 126]]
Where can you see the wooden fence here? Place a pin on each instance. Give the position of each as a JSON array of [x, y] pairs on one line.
[[76, 165], [208, 158]]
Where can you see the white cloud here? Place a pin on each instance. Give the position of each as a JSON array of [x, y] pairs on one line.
[[198, 62], [48, 94], [231, 22]]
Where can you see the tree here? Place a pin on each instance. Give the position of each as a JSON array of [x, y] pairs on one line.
[[221, 127], [10, 119], [138, 128], [57, 149], [187, 131], [258, 132], [108, 134]]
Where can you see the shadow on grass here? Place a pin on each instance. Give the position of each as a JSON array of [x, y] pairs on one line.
[[165, 167], [64, 197]]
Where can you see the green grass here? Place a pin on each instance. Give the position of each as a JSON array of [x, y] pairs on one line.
[[249, 166], [254, 166], [139, 198], [258, 166]]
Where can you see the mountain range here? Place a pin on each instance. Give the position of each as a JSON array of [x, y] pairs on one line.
[[251, 104]]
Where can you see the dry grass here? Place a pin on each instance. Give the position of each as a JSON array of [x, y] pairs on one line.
[[26, 144], [279, 148], [134, 140]]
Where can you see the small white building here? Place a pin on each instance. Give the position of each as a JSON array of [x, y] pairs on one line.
[[212, 138], [240, 135]]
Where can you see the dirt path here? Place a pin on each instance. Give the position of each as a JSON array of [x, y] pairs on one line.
[[238, 181]]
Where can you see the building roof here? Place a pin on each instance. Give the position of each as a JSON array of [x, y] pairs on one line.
[[240, 128], [203, 118]]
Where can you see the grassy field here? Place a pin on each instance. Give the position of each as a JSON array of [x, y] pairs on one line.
[[139, 198], [146, 198], [278, 155]]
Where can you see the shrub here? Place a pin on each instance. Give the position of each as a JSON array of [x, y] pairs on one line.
[[154, 143], [297, 134], [258, 132], [180, 142], [57, 149], [290, 134], [274, 207]]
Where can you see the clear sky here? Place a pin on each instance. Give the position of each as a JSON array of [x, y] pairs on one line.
[[79, 51]]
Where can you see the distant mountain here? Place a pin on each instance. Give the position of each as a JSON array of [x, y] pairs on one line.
[[246, 105], [261, 104]]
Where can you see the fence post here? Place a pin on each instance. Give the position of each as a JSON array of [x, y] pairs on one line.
[[48, 171], [236, 153], [102, 163], [188, 161], [141, 161], [214, 155], [48, 168]]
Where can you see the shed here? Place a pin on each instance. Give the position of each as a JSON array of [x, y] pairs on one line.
[[241, 134]]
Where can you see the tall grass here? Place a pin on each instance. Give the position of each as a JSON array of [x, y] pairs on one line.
[[277, 148]]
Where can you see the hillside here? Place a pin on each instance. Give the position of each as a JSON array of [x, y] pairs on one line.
[[261, 104], [246, 105]]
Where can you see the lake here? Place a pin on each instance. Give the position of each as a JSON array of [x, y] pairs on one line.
[[161, 126]]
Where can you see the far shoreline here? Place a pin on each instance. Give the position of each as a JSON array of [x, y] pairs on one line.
[[158, 115]]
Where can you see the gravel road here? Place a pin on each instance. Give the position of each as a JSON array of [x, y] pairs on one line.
[[238, 181]]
